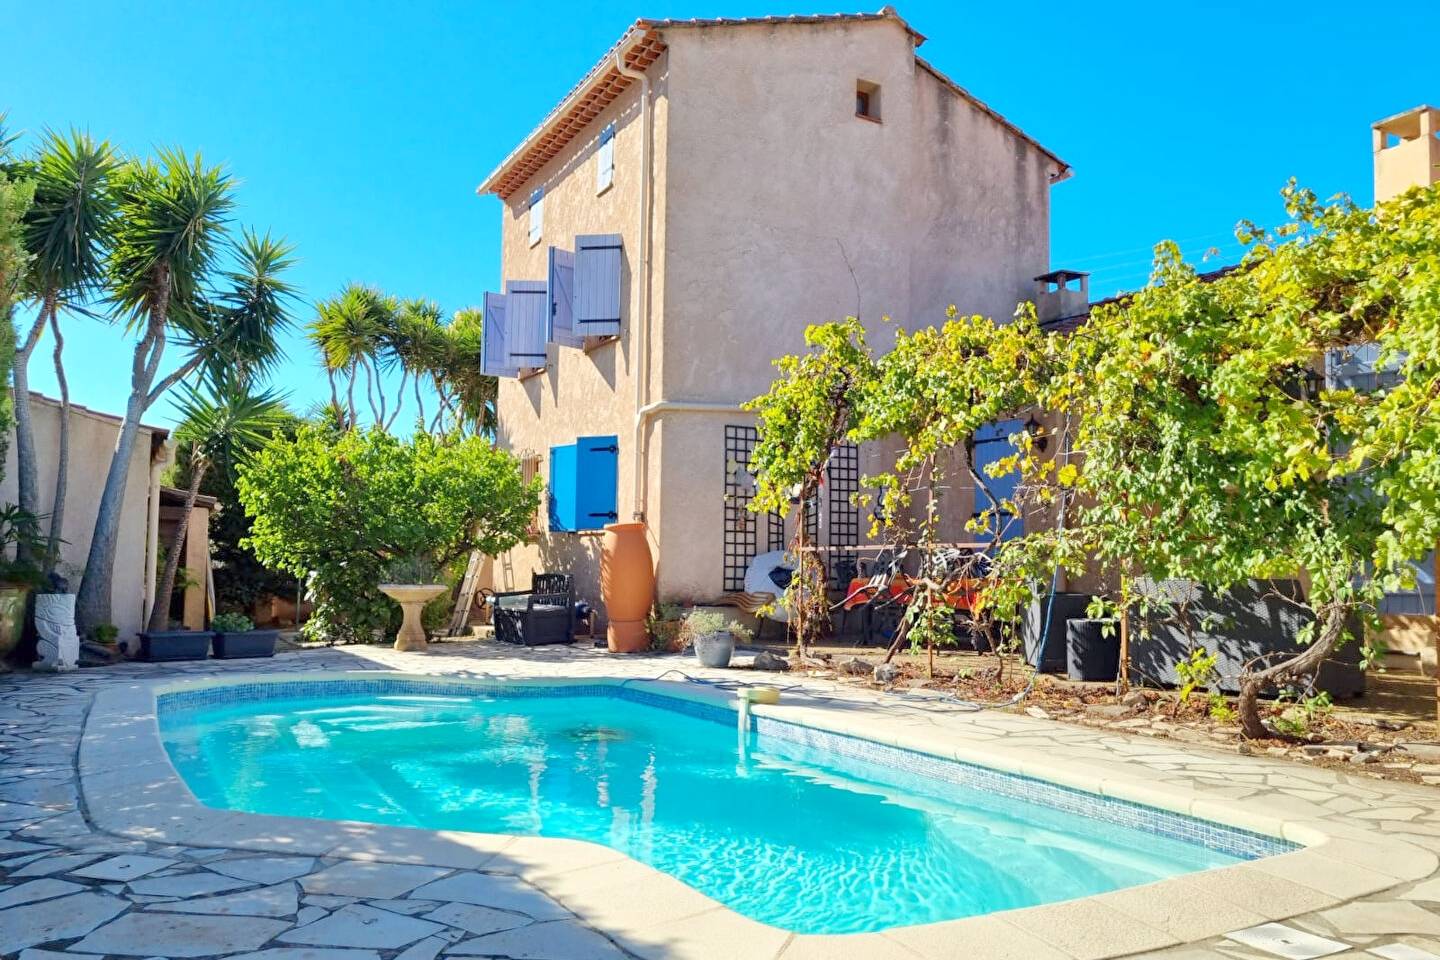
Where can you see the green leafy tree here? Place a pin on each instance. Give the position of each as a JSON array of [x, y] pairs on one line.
[[336, 507], [221, 423], [15, 199], [166, 276], [1213, 448]]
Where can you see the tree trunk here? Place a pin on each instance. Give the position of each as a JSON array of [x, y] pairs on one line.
[[62, 465], [26, 470], [419, 402], [1332, 626], [160, 610], [92, 602], [350, 399]]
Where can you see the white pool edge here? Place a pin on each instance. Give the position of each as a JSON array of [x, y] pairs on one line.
[[131, 789]]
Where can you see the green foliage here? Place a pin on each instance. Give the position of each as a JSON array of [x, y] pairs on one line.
[[22, 547], [413, 569], [699, 623], [1299, 719], [337, 507], [69, 230], [1219, 708], [105, 634], [231, 623], [1198, 670], [15, 201]]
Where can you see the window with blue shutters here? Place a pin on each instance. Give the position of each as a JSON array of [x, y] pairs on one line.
[[605, 159], [527, 321], [537, 215], [560, 280], [494, 351], [596, 300], [992, 443], [584, 482]]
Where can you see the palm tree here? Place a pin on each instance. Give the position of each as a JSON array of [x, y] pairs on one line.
[[67, 233], [473, 393], [170, 234], [221, 423]]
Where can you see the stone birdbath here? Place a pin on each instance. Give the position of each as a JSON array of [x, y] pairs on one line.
[[412, 598]]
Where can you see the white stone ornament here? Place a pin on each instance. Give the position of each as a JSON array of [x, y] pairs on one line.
[[57, 643]]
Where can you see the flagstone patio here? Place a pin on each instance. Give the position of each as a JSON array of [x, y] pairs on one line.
[[69, 888]]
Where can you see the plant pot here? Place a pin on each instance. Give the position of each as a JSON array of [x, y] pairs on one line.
[[165, 645], [12, 617], [1089, 654], [627, 585], [715, 649], [248, 643]]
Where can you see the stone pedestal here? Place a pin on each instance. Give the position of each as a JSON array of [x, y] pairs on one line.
[[412, 598], [57, 643]]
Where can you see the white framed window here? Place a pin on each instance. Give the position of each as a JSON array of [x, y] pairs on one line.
[[605, 160], [537, 215]]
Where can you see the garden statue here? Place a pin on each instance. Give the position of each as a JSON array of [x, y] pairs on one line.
[[57, 644]]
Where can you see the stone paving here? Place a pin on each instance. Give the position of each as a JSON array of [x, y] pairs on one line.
[[68, 889]]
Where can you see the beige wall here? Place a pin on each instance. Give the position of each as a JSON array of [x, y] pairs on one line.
[[92, 441], [775, 208]]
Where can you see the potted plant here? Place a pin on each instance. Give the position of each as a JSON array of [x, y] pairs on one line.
[[159, 646], [665, 625], [21, 543], [236, 637], [714, 636], [412, 582]]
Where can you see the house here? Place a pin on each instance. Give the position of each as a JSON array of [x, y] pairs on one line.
[[92, 437], [707, 190]]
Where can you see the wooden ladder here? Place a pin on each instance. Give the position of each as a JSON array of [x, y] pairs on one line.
[[460, 619]]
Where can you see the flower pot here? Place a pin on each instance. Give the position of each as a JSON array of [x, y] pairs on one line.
[[715, 649], [1089, 654], [165, 645], [247, 643], [627, 585]]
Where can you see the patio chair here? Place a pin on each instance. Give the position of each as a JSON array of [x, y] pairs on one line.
[[543, 614]]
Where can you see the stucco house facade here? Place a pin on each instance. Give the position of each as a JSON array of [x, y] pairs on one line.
[[707, 191]]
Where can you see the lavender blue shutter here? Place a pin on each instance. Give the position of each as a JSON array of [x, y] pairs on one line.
[[494, 352], [528, 315], [597, 284], [561, 281]]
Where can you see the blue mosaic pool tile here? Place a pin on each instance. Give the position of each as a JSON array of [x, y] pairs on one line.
[[1230, 840]]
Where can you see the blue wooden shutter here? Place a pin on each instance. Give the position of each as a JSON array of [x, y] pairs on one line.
[[992, 443], [597, 476], [605, 159], [537, 215], [494, 349], [597, 285], [528, 318], [562, 489], [561, 280]]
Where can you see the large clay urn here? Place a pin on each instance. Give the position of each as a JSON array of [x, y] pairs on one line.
[[627, 585]]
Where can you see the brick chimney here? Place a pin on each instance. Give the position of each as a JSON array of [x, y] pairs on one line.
[[1061, 294], [1407, 152]]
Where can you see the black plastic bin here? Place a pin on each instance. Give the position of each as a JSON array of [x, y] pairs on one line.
[[1089, 653], [164, 645], [247, 643]]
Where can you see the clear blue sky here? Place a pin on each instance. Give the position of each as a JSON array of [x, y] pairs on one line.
[[359, 129]]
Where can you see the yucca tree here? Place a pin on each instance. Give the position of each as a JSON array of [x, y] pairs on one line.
[[472, 393], [414, 341], [222, 421], [163, 273], [67, 235], [347, 330]]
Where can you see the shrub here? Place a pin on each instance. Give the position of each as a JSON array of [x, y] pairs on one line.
[[337, 507], [231, 623]]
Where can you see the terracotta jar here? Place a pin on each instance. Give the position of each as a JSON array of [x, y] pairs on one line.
[[627, 586]]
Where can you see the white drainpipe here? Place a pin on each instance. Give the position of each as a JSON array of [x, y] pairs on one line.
[[642, 322]]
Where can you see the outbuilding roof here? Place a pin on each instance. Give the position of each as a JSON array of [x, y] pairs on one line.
[[642, 44]]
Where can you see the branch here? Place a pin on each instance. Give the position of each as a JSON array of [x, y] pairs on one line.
[[185, 369]]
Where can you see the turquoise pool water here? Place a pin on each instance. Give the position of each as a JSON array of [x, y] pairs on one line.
[[800, 838]]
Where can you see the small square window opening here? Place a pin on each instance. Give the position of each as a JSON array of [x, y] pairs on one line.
[[867, 100]]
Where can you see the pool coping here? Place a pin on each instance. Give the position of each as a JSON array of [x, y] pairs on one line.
[[131, 789]]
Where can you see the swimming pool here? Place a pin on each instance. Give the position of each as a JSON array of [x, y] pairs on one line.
[[806, 830]]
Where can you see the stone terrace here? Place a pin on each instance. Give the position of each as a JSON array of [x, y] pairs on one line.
[[68, 889]]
